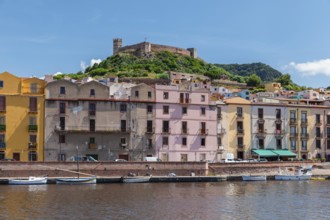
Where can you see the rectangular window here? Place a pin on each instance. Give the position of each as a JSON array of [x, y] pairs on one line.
[[1, 84], [149, 94], [219, 115], [303, 117], [123, 125], [33, 138], [202, 110], [149, 108], [2, 155], [92, 140], [328, 144], [278, 113], [92, 109], [165, 95], [181, 97], [165, 141], [123, 140], [293, 144], [149, 143], [304, 145], [219, 141], [202, 98], [278, 144], [92, 92], [165, 109], [260, 113], [91, 124], [3, 103], [203, 142], [293, 115], [62, 107], [62, 123], [184, 157], [2, 120], [166, 126], [239, 111], [149, 126], [318, 144], [123, 107], [136, 94], [2, 138], [318, 118], [328, 119], [240, 142], [184, 127], [34, 88], [184, 141], [261, 143], [202, 157], [33, 156], [32, 120], [62, 90], [318, 132], [33, 104], [184, 110], [61, 138], [240, 127]]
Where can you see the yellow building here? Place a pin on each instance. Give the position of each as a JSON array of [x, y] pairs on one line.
[[239, 124], [21, 118], [273, 87]]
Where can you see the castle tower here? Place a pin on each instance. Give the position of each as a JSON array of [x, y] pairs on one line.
[[117, 44], [193, 52]]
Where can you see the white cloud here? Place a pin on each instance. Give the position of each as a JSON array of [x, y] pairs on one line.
[[312, 68], [83, 65]]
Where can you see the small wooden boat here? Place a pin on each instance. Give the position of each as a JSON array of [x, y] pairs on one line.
[[135, 179], [299, 174], [254, 178], [32, 180], [87, 180]]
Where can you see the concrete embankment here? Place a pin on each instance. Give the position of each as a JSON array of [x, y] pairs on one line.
[[110, 172]]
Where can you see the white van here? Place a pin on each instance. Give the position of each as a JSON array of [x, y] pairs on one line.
[[152, 159]]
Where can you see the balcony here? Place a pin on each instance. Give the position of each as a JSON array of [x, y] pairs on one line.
[[123, 145], [261, 133], [240, 131], [240, 146], [318, 123], [304, 121], [184, 131], [33, 128], [86, 129], [3, 145], [304, 135], [219, 116], [278, 121], [279, 134], [32, 145], [203, 131], [184, 101], [221, 131], [318, 135], [92, 112], [293, 135], [328, 135], [239, 116], [293, 121], [150, 130], [166, 130], [92, 146], [261, 121], [2, 128]]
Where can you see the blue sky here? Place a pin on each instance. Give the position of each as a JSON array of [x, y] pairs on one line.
[[40, 37]]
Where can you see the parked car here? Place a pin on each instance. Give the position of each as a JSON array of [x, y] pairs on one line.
[[120, 160], [82, 159], [263, 160]]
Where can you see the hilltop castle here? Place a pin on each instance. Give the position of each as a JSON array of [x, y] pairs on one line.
[[145, 49]]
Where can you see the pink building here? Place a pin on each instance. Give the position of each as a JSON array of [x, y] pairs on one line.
[[185, 124]]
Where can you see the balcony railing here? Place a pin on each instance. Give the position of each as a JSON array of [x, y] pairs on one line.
[[221, 131], [33, 128], [203, 131], [92, 112], [293, 121], [184, 101], [261, 133], [304, 135], [279, 133], [184, 131], [123, 145], [166, 131], [2, 128], [219, 116], [86, 129], [240, 131], [2, 145], [318, 123], [32, 145], [240, 146], [304, 121], [150, 130], [319, 135], [91, 146], [293, 135], [261, 121], [239, 116], [278, 121]]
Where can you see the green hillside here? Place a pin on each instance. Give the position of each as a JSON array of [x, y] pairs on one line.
[[265, 72]]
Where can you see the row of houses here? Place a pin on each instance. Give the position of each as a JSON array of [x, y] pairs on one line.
[[52, 121]]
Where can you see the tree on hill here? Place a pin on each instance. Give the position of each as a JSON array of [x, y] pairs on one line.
[[253, 80]]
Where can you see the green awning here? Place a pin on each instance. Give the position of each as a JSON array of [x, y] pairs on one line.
[[265, 153], [284, 153]]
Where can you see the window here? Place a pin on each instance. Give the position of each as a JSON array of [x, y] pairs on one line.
[[33, 156], [165, 109], [149, 126], [202, 98], [293, 115], [260, 113], [165, 95], [304, 145], [184, 110], [149, 108], [92, 109], [166, 127], [328, 144], [203, 142], [136, 94], [278, 113], [328, 132], [1, 84], [240, 127], [2, 155], [92, 140], [203, 128], [123, 125], [149, 143], [62, 90], [184, 157], [2, 138], [293, 130], [240, 141], [202, 157], [123, 140], [239, 111], [184, 127], [33, 120], [33, 104], [92, 124], [62, 123], [202, 110], [261, 143], [293, 144], [123, 107], [2, 103], [318, 144], [184, 141], [149, 94], [318, 132], [303, 117], [61, 138], [165, 141], [278, 143], [318, 118], [219, 115], [92, 92], [34, 88], [33, 138], [219, 141], [2, 120], [328, 119], [62, 107]]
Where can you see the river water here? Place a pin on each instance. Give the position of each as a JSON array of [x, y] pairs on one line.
[[223, 200]]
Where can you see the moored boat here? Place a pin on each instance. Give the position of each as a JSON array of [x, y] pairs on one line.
[[135, 179], [87, 180], [254, 177], [299, 174], [32, 180]]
